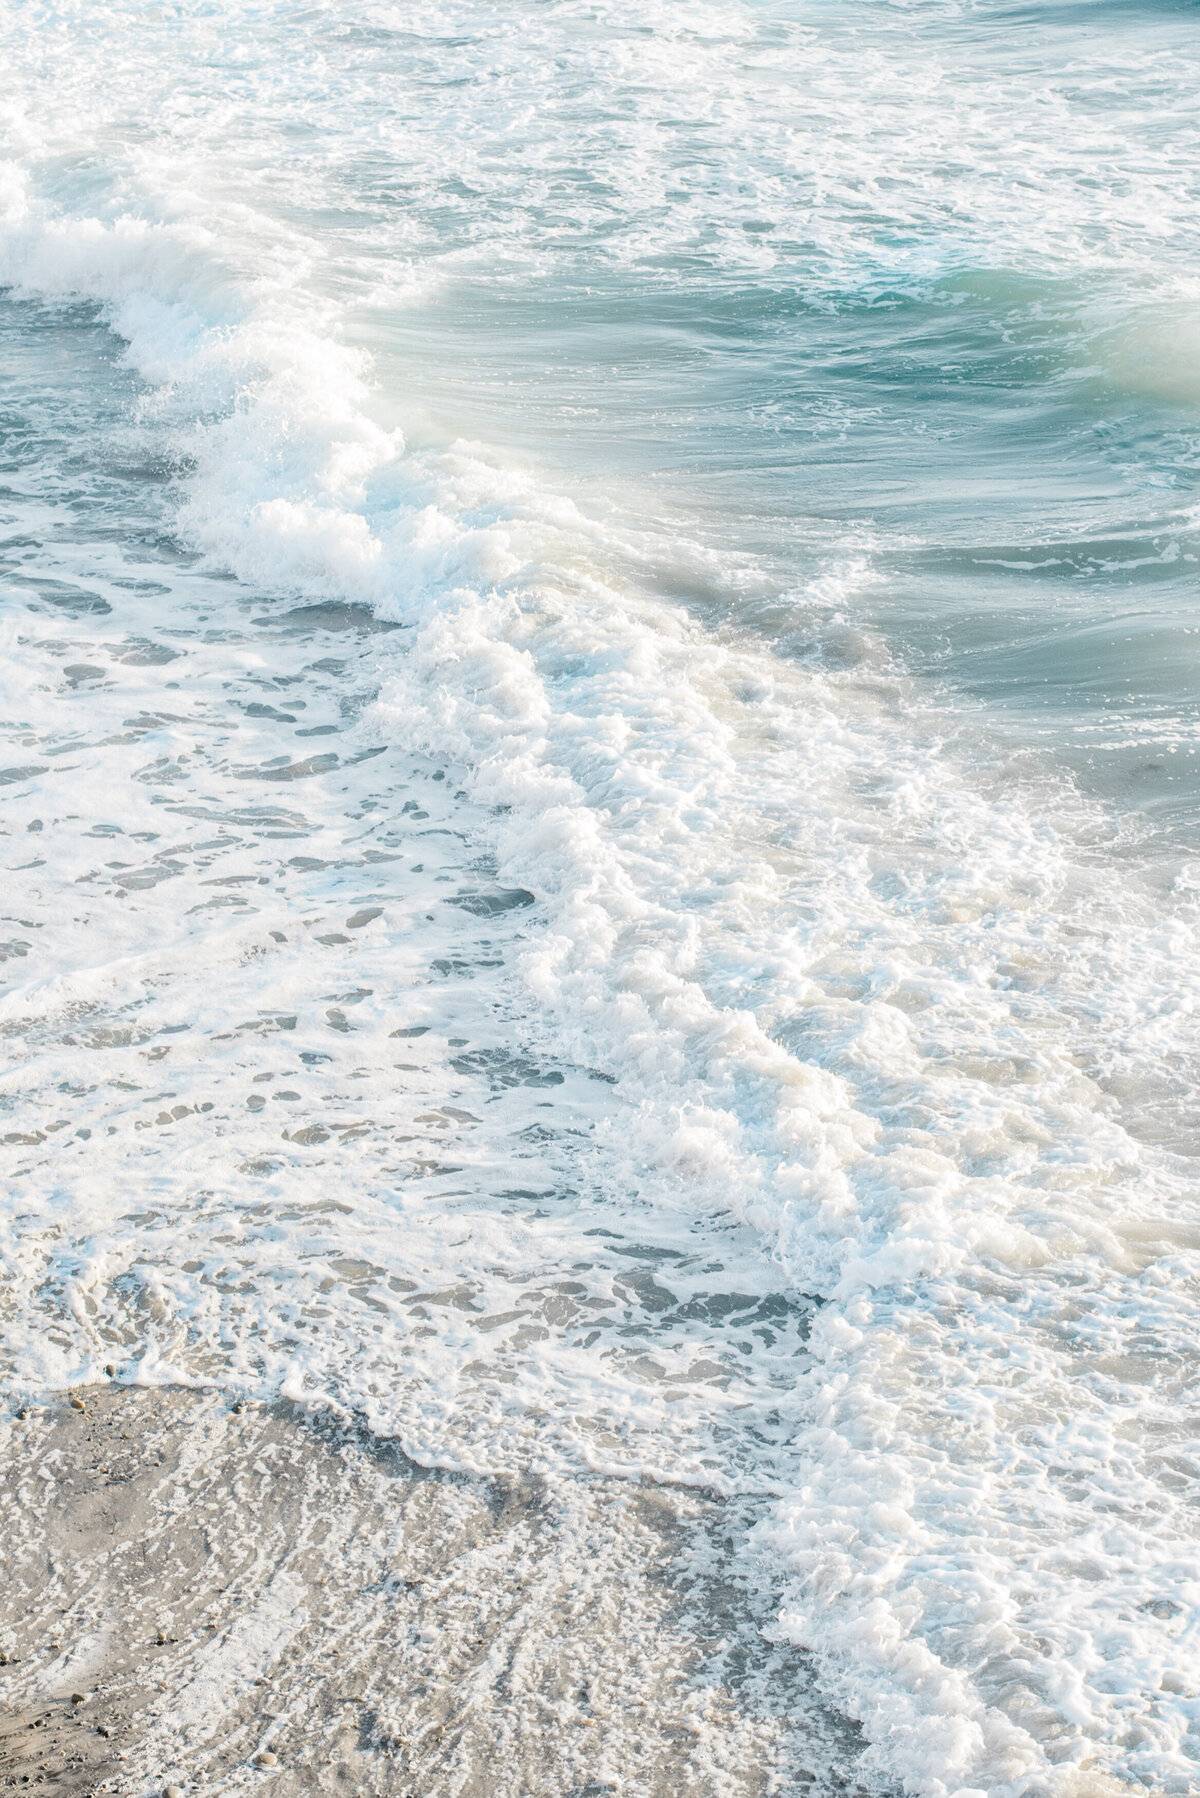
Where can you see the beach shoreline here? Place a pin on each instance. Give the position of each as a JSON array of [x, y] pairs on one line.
[[220, 1595]]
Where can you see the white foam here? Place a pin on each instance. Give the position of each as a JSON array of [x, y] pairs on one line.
[[861, 987]]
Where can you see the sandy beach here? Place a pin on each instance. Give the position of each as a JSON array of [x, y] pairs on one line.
[[217, 1598]]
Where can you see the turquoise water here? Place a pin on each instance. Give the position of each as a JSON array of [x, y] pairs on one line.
[[1018, 481], [724, 478]]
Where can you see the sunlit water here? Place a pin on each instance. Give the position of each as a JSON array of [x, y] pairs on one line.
[[602, 782]]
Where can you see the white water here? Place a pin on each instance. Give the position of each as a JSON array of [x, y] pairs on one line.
[[840, 984]]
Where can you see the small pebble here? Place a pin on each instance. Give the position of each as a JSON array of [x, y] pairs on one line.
[[110, 1370], [101, 1730], [161, 1639], [264, 1758], [76, 1403], [77, 1698], [172, 1792]]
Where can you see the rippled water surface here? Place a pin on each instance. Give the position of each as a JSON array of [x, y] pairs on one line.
[[601, 790]]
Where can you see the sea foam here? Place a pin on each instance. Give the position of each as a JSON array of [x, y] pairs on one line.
[[862, 983]]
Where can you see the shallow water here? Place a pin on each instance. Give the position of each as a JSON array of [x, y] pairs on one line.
[[602, 786]]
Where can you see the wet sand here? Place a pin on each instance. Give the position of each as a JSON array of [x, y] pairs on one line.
[[192, 1586]]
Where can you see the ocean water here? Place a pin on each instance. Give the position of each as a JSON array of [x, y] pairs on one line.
[[601, 788]]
